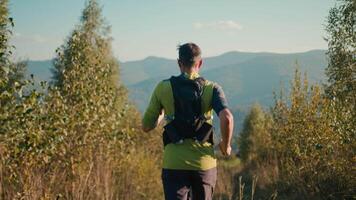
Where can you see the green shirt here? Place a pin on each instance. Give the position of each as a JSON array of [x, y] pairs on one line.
[[189, 155]]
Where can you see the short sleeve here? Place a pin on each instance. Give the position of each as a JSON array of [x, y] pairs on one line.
[[219, 101]]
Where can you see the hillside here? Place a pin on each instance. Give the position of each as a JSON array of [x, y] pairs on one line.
[[245, 77]]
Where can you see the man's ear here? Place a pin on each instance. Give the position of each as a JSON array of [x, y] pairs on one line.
[[200, 63], [179, 63]]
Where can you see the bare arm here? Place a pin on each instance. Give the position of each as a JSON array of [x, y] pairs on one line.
[[226, 128]]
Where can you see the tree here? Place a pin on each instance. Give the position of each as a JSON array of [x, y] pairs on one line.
[[10, 72], [341, 51], [20, 117], [93, 103], [81, 140], [341, 71], [254, 138], [86, 75], [313, 159], [5, 33]]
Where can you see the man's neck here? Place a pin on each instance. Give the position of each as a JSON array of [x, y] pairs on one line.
[[192, 70], [190, 74]]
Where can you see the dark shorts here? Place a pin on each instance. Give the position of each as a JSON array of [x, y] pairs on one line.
[[188, 184]]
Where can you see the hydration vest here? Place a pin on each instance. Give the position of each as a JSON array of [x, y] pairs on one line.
[[188, 121]]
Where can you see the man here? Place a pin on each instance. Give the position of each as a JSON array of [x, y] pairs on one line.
[[187, 101]]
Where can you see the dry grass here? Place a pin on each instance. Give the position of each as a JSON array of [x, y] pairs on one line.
[[95, 173]]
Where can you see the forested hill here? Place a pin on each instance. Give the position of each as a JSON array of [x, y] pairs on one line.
[[246, 77]]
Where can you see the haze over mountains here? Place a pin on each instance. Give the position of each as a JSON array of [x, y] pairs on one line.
[[246, 77]]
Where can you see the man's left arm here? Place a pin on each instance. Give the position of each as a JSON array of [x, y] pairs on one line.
[[154, 112]]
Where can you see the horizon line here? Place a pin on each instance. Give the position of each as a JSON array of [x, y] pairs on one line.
[[167, 58]]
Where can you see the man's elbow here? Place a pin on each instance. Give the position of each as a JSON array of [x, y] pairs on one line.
[[226, 116], [229, 119], [146, 129]]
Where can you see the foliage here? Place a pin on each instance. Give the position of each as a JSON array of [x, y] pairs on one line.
[[312, 137], [5, 32], [254, 138], [9, 72], [341, 71], [81, 139], [4, 38], [342, 50], [309, 158]]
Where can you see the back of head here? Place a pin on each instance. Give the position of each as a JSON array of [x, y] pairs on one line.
[[189, 54]]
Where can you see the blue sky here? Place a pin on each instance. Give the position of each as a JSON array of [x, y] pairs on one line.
[[156, 27]]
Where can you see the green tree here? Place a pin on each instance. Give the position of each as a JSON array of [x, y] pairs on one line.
[[341, 71], [81, 140], [9, 72], [20, 117], [100, 127], [341, 51], [93, 101], [86, 76], [5, 33], [254, 139], [312, 160]]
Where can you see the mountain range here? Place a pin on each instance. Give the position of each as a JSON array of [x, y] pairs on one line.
[[246, 77]]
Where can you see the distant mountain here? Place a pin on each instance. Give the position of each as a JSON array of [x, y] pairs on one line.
[[133, 72], [246, 77], [151, 67], [255, 79]]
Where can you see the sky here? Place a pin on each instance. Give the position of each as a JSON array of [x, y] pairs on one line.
[[155, 28]]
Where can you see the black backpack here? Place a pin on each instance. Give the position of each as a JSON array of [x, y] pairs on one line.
[[188, 120]]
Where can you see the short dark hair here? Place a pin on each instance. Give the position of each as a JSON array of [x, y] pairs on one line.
[[188, 54]]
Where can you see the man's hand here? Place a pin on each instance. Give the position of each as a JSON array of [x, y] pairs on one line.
[[160, 117], [225, 148], [158, 121]]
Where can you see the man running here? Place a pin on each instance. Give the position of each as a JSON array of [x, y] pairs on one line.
[[186, 101]]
